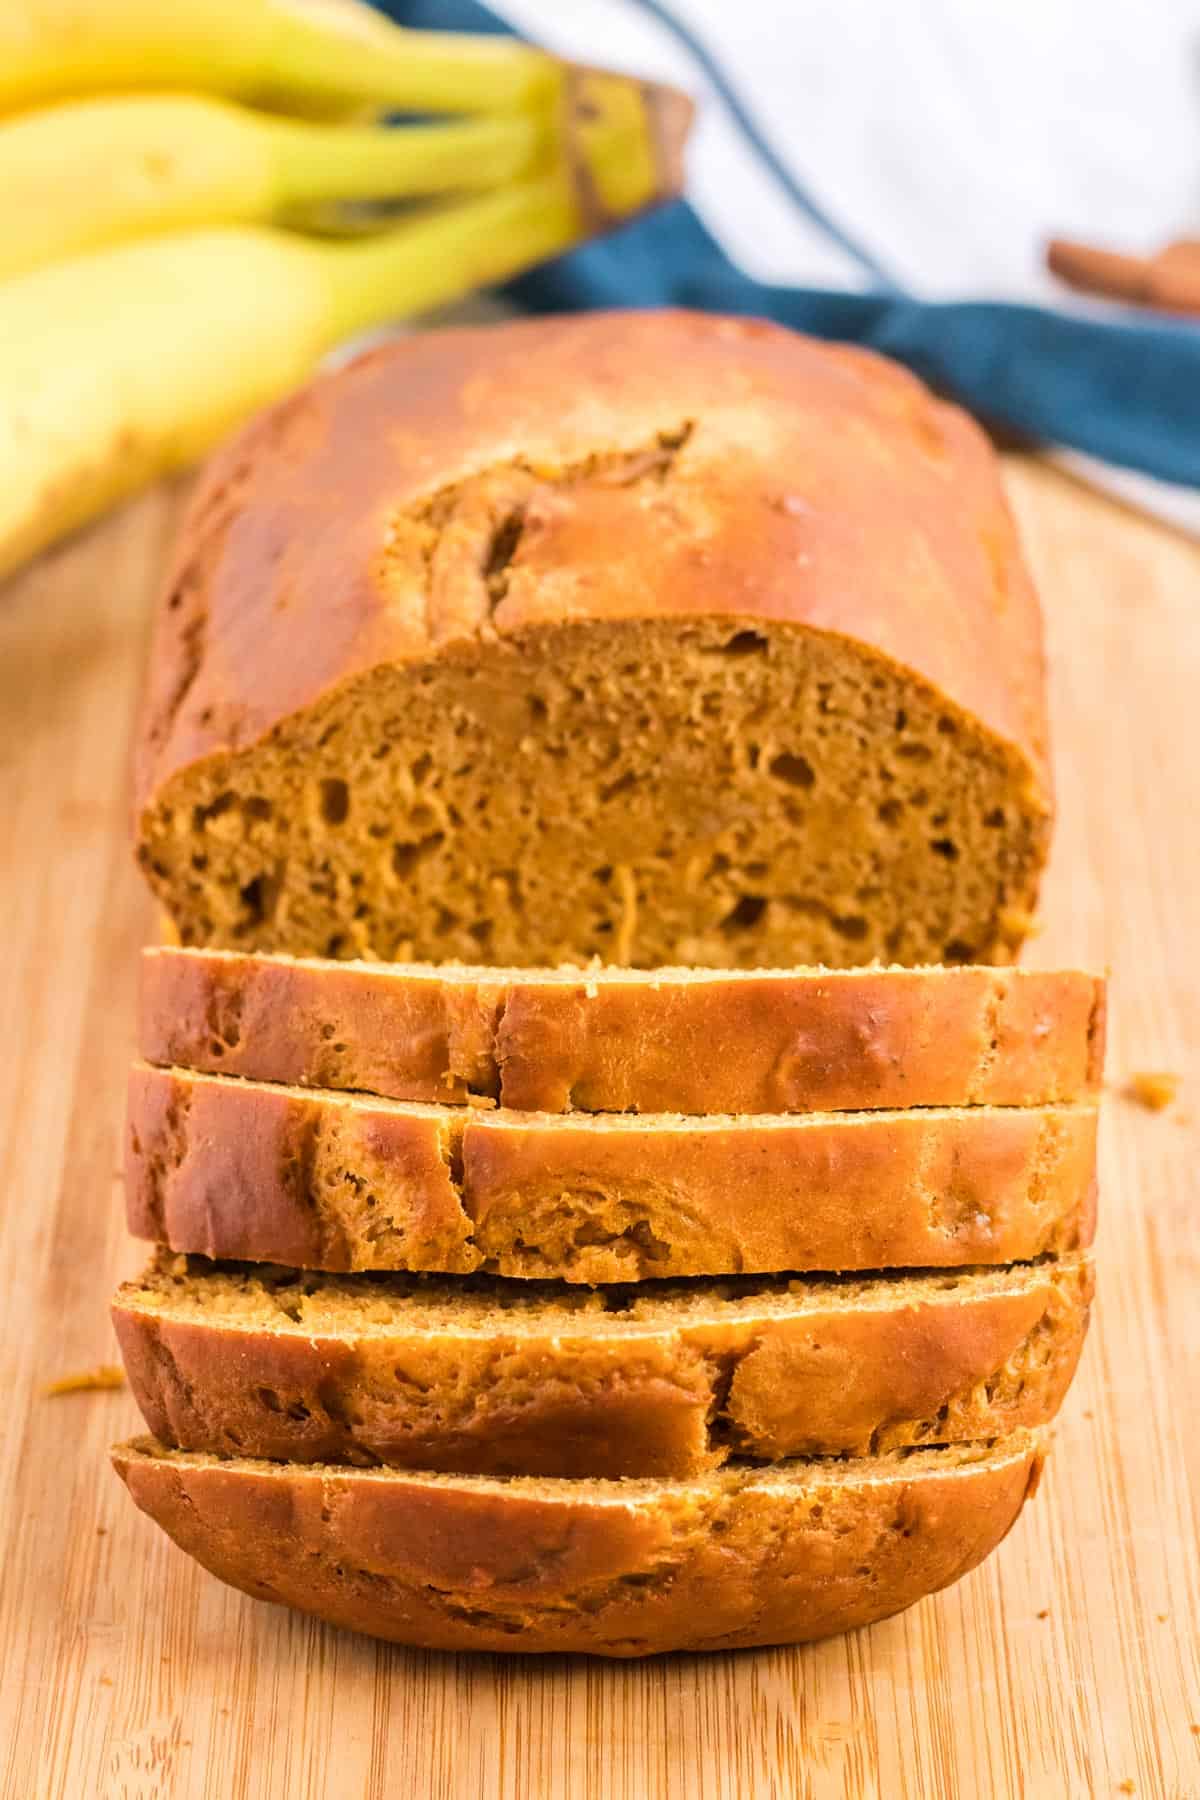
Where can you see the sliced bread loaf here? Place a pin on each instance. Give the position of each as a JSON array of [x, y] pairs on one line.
[[486, 1377], [230, 1168], [618, 1040], [654, 637], [743, 1556]]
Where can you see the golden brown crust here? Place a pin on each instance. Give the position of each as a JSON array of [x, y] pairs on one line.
[[736, 1559], [226, 1169], [242, 1170], [423, 1375], [290, 578], [790, 1041]]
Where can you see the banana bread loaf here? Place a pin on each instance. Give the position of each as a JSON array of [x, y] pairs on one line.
[[229, 1168], [618, 1040], [648, 637], [742, 1556], [484, 1377]]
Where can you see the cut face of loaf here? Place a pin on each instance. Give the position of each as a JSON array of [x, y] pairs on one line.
[[743, 1556], [611, 1040], [243, 1170], [484, 1377], [652, 638]]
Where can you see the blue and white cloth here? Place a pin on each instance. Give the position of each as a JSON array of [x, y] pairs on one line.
[[889, 175]]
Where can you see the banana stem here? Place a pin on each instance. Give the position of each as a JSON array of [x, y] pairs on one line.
[[619, 151], [323, 162], [360, 54], [433, 260]]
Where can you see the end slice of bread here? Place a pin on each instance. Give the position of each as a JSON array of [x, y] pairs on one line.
[[783, 1554]]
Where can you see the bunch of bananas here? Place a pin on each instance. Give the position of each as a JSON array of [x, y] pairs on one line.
[[168, 262]]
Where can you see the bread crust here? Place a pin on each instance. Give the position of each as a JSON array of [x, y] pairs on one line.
[[235, 1169], [288, 589], [739, 1558], [427, 1377], [790, 1040]]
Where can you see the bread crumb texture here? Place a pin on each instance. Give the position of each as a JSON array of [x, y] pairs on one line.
[[644, 638]]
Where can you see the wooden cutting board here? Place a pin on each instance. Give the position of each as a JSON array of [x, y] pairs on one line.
[[1067, 1666]]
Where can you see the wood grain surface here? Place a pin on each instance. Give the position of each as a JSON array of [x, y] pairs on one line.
[[1067, 1666]]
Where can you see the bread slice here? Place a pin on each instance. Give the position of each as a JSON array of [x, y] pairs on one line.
[[484, 1377], [744, 1556], [229, 1168], [618, 1040], [653, 637]]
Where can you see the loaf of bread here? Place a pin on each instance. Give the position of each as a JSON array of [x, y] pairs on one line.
[[229, 1168], [619, 1040], [485, 1377], [743, 1556], [648, 637]]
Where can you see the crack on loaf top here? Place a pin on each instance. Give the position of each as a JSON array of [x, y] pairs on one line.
[[463, 540]]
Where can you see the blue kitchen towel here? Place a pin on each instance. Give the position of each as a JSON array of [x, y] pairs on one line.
[[1111, 383]]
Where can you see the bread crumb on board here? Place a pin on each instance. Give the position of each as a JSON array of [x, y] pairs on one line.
[[1154, 1089], [86, 1381], [1017, 925]]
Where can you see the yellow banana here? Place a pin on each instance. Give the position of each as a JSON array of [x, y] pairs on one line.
[[121, 365], [94, 172], [284, 53]]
